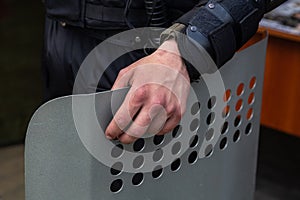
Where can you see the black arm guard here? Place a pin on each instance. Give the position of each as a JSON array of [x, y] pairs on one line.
[[223, 26]]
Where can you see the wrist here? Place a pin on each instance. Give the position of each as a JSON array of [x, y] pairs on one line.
[[169, 55], [169, 47]]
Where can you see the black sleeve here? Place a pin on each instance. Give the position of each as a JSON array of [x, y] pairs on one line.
[[222, 26]]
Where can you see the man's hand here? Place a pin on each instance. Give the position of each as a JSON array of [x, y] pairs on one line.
[[157, 98]]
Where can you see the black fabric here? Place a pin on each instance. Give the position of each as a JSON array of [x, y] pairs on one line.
[[226, 24], [184, 19], [205, 21], [224, 47], [65, 48], [193, 58], [246, 18], [101, 17], [109, 3], [77, 12], [215, 27], [272, 4], [248, 27], [103, 13], [70, 11], [238, 9]]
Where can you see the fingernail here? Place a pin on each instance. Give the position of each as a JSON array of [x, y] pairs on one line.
[[109, 137]]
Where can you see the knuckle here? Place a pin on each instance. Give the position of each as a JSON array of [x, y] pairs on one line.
[[145, 121], [122, 72], [158, 100], [171, 108], [140, 94]]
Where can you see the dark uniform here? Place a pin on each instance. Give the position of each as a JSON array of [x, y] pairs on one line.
[[74, 27]]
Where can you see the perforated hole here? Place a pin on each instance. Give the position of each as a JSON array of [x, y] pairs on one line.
[[138, 162], [252, 83], [139, 145], [177, 131], [209, 134], [158, 139], [210, 118], [248, 129], [194, 141], [226, 111], [176, 148], [137, 179], [158, 155], [208, 150], [175, 166], [224, 128], [250, 114], [223, 143], [193, 157], [116, 169], [236, 136], [157, 172], [240, 89], [194, 125], [195, 108], [116, 185], [117, 151], [227, 95], [239, 105], [211, 102], [251, 98], [237, 121]]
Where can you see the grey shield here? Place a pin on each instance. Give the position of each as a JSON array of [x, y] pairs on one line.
[[59, 166]]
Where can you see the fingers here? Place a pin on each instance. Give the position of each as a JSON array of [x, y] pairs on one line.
[[137, 128], [123, 117], [149, 120], [127, 110], [145, 124], [153, 103], [127, 139], [159, 117], [151, 115]]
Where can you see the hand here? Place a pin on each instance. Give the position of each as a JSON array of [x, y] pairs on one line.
[[157, 98]]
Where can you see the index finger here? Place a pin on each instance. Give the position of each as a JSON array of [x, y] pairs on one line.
[[123, 116]]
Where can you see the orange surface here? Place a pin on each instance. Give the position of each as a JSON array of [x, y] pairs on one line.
[[281, 94]]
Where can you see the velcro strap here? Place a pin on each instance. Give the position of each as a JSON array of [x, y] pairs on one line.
[[205, 21], [245, 16], [217, 26], [223, 42]]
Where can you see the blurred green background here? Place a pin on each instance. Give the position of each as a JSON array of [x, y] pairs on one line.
[[21, 39]]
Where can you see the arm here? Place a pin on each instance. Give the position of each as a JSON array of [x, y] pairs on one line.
[[157, 98]]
